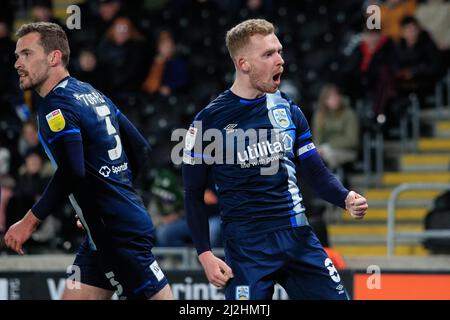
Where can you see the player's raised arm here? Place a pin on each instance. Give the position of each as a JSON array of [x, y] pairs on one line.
[[328, 187], [311, 167]]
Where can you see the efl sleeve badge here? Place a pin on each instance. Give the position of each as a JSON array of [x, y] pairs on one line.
[[55, 120]]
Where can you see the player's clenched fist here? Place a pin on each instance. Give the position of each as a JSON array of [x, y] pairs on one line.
[[356, 204]]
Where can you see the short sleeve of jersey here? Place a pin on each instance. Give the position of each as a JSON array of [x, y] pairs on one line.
[[193, 142], [60, 120], [303, 145]]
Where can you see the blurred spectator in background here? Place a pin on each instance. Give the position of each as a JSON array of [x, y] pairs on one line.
[[417, 60], [166, 209], [87, 69], [123, 58], [42, 11], [366, 73], [392, 12], [7, 59], [29, 139], [6, 192], [433, 15], [9, 92], [5, 158], [172, 229], [30, 184], [417, 67], [108, 11], [168, 73], [254, 9], [335, 128], [96, 18], [29, 142]]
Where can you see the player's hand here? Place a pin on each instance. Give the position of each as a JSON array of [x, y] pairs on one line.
[[217, 271], [356, 204], [21, 231]]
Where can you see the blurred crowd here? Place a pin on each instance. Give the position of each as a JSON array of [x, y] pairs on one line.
[[161, 61]]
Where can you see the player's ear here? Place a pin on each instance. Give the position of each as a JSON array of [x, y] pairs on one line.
[[243, 64], [55, 57]]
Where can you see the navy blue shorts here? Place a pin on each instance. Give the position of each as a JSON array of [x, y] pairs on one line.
[[131, 271], [293, 257]]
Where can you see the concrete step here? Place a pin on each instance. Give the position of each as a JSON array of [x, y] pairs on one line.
[[425, 162], [370, 229], [433, 144], [384, 194], [435, 114], [401, 214], [405, 203], [368, 240], [442, 129], [381, 250], [396, 178], [425, 168]]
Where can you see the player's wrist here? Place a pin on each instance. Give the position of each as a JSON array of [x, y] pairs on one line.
[[31, 220], [348, 200], [205, 255]]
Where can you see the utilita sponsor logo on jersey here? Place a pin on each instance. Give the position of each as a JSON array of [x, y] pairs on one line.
[[232, 145], [262, 149]]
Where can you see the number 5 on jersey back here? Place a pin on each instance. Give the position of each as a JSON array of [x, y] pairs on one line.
[[115, 153]]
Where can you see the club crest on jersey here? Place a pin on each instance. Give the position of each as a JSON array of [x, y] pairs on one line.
[[242, 293], [55, 120], [190, 138], [281, 117]]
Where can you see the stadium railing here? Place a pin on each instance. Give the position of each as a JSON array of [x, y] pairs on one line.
[[442, 92], [393, 235]]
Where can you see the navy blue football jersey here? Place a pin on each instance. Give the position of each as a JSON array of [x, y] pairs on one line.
[[253, 198], [107, 205]]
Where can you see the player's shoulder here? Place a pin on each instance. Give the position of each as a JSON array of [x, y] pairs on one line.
[[287, 98], [64, 94], [74, 94], [293, 106], [216, 107]]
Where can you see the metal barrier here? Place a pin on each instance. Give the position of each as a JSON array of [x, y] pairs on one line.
[[442, 92], [392, 235], [373, 140], [410, 118]]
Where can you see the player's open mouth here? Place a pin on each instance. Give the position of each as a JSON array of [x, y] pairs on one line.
[[277, 78]]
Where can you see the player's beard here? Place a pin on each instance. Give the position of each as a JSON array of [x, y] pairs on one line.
[[33, 81], [268, 86]]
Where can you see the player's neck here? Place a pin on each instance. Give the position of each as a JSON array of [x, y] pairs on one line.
[[245, 90], [53, 79]]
